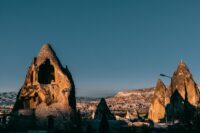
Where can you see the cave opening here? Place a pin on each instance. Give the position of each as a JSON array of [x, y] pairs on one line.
[[46, 73], [50, 122]]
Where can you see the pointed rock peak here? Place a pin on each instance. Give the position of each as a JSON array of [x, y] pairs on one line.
[[160, 89], [47, 52], [102, 108], [182, 68], [103, 100], [102, 104], [46, 48], [160, 85], [160, 82], [182, 63], [47, 45]]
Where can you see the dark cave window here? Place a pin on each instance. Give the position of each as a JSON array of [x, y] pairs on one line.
[[32, 77], [46, 73], [50, 122]]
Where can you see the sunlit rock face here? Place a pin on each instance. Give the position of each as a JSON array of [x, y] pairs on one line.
[[184, 95], [48, 90], [102, 109], [179, 101], [183, 82], [160, 99]]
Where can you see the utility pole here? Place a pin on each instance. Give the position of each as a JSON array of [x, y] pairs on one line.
[[163, 75]]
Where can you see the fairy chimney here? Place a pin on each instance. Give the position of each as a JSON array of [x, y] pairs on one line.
[[184, 94], [160, 99], [48, 90], [102, 109], [183, 82]]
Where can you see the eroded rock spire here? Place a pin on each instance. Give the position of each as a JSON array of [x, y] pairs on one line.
[[183, 78], [159, 102], [48, 90], [102, 109]]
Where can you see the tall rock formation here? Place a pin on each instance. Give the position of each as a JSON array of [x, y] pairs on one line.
[[184, 94], [161, 98], [183, 82], [102, 109], [180, 101], [48, 92]]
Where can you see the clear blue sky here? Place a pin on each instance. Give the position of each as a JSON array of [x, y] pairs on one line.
[[107, 45]]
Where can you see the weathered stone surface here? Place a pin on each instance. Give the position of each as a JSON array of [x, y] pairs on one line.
[[102, 109], [184, 95], [48, 89], [181, 100], [183, 82], [160, 99]]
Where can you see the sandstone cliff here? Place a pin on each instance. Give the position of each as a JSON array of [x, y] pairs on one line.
[[184, 94], [160, 99], [180, 101], [48, 89], [183, 82]]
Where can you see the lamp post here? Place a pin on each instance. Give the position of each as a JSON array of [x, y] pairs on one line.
[[164, 75]]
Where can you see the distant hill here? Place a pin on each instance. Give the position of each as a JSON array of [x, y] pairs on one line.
[[7, 98], [135, 92], [132, 100]]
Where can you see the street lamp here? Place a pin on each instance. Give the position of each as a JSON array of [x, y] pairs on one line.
[[164, 75]]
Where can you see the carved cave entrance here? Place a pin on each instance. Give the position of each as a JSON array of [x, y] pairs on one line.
[[46, 73], [50, 122]]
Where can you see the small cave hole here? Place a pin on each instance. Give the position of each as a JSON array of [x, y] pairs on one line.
[[46, 73]]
